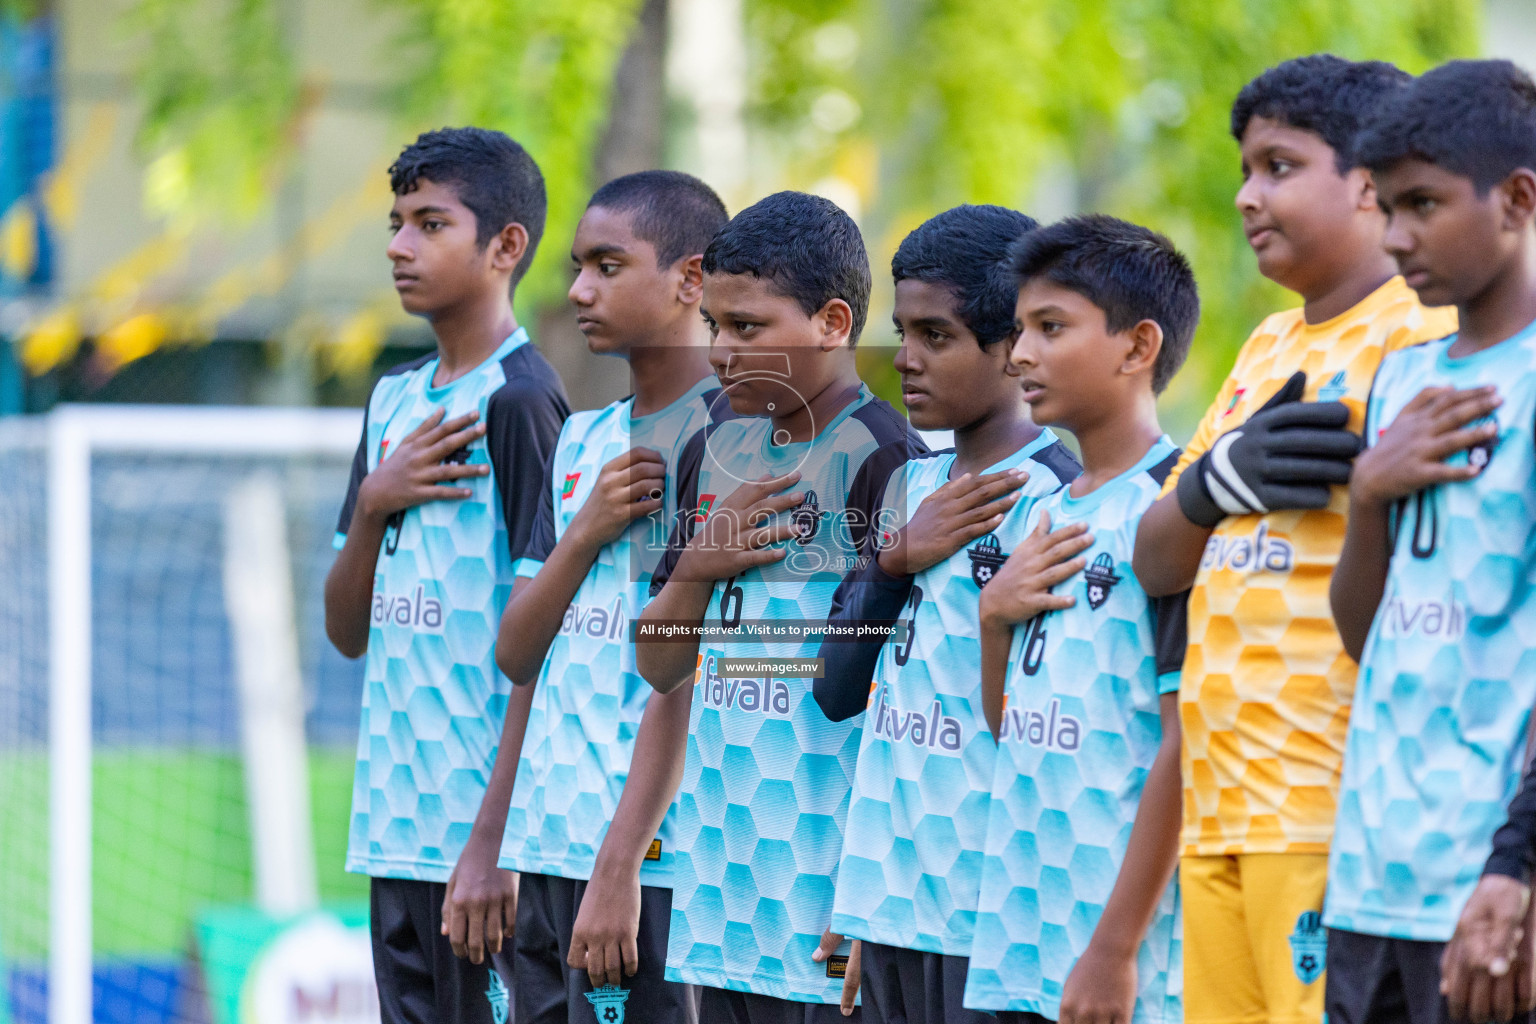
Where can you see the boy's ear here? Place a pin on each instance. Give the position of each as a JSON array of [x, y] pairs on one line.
[[508, 247], [690, 288], [1365, 185], [836, 321], [1145, 342], [1519, 199]]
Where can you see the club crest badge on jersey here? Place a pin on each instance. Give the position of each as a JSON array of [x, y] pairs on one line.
[[1309, 947], [986, 557], [806, 518], [1334, 390], [1101, 579], [499, 998], [569, 487], [608, 1003]]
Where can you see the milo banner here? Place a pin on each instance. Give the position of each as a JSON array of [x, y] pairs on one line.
[[316, 968]]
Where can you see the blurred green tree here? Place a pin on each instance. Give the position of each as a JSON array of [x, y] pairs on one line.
[[1119, 106], [222, 117]]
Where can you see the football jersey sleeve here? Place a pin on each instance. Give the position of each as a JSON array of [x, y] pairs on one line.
[[541, 538], [355, 481], [522, 424], [1514, 844], [1170, 638], [689, 464], [867, 594]]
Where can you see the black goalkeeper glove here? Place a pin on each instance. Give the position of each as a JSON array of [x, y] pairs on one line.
[[1285, 457]]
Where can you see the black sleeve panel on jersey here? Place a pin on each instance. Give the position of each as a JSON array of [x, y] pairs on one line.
[[898, 444], [1170, 631], [522, 423], [541, 538], [1058, 458], [359, 470], [1514, 844], [1159, 473], [868, 594], [689, 464]]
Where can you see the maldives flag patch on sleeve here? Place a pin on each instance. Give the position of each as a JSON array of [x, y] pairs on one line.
[[706, 502], [569, 487]]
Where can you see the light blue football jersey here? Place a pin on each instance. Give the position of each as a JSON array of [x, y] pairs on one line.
[[433, 699], [765, 789], [1081, 728], [1448, 674], [589, 697], [924, 774]]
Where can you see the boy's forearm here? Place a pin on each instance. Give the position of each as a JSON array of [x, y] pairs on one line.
[[1152, 853], [656, 770], [537, 608], [349, 585], [1168, 548], [665, 663], [1361, 573], [996, 638], [491, 820]]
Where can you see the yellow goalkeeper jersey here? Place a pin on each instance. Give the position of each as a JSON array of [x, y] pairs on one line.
[[1265, 696]]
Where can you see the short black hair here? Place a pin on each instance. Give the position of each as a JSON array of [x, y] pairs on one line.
[[675, 212], [1328, 96], [492, 175], [805, 246], [966, 250], [1474, 118], [1130, 272]]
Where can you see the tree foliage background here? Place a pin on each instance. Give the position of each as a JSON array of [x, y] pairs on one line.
[[1119, 106]]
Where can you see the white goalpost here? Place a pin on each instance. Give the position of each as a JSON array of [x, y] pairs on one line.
[[260, 605]]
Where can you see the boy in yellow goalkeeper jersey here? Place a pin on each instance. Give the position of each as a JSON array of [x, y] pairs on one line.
[[1253, 519]]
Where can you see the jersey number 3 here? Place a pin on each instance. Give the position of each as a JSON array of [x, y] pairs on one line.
[[905, 650]]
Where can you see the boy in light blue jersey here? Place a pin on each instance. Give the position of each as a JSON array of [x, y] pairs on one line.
[[907, 888], [586, 760], [426, 562], [1434, 591], [743, 593], [1078, 917]]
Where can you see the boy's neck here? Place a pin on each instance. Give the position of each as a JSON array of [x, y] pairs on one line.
[[810, 419], [1347, 290], [992, 439], [1117, 441], [664, 371], [1503, 309], [469, 333]]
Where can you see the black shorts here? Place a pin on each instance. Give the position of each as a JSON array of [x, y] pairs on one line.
[[420, 980], [552, 992], [1377, 980], [911, 986], [720, 1006]]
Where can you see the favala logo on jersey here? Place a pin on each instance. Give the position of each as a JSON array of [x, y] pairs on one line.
[[760, 695], [1101, 579], [986, 557], [1052, 728], [569, 487], [415, 610], [602, 623], [1256, 551], [934, 729], [806, 519]]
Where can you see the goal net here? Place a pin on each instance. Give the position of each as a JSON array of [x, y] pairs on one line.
[[176, 735]]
